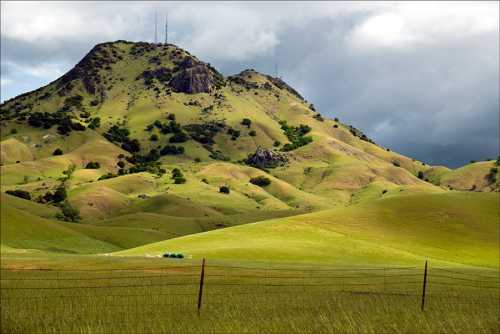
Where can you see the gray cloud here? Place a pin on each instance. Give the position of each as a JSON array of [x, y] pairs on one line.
[[421, 79]]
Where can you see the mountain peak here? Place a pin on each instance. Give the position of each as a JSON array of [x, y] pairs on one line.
[[173, 67]]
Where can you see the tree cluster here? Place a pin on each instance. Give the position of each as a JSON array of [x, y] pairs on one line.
[[296, 135]]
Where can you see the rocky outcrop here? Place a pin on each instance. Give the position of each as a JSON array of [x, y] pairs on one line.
[[193, 76], [264, 158]]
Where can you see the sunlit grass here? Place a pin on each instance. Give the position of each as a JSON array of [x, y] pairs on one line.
[[249, 299]]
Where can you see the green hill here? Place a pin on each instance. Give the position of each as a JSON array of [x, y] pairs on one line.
[[150, 143], [452, 227], [21, 229]]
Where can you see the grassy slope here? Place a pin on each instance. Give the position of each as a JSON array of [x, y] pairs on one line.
[[455, 227], [21, 229], [28, 225], [470, 177]]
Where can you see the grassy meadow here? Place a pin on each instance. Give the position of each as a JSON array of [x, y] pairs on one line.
[[162, 296]]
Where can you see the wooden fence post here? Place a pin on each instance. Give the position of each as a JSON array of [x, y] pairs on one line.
[[423, 288], [384, 279], [202, 278]]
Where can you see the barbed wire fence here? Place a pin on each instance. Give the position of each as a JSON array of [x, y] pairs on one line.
[[194, 285]]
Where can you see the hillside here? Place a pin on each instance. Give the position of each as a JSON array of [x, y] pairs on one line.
[[446, 228], [148, 139]]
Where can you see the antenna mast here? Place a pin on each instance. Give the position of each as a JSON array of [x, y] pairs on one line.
[[276, 72], [156, 27], [166, 29]]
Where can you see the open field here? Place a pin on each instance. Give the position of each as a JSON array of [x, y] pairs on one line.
[[162, 296]]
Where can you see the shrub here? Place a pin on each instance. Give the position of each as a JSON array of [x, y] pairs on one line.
[[106, 176], [172, 150], [68, 172], [94, 123], [117, 134], [171, 117], [335, 126], [234, 133], [246, 122], [120, 164], [204, 133], [176, 173], [420, 175], [473, 161], [132, 146], [276, 143], [197, 160], [13, 131], [93, 165], [336, 119], [318, 117], [260, 181], [174, 255], [19, 193], [179, 137], [60, 194], [384, 191], [497, 163], [77, 127], [217, 155], [179, 180], [396, 163], [57, 151], [68, 213], [492, 176], [296, 136], [154, 137], [252, 133], [224, 190], [74, 101]]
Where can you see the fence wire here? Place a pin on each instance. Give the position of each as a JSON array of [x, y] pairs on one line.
[[221, 280]]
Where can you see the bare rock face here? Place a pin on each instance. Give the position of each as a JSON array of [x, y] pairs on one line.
[[264, 158], [194, 77]]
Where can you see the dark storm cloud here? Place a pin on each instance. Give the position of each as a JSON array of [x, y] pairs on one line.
[[421, 79]]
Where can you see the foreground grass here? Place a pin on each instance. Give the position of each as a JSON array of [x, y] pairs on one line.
[[249, 298]]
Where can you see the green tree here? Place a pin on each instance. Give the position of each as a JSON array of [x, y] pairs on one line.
[[60, 194], [260, 181], [246, 122], [224, 190], [68, 213]]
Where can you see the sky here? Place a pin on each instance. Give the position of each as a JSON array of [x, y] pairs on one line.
[[421, 78]]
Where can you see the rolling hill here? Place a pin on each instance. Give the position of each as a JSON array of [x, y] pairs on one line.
[[141, 143], [459, 228]]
